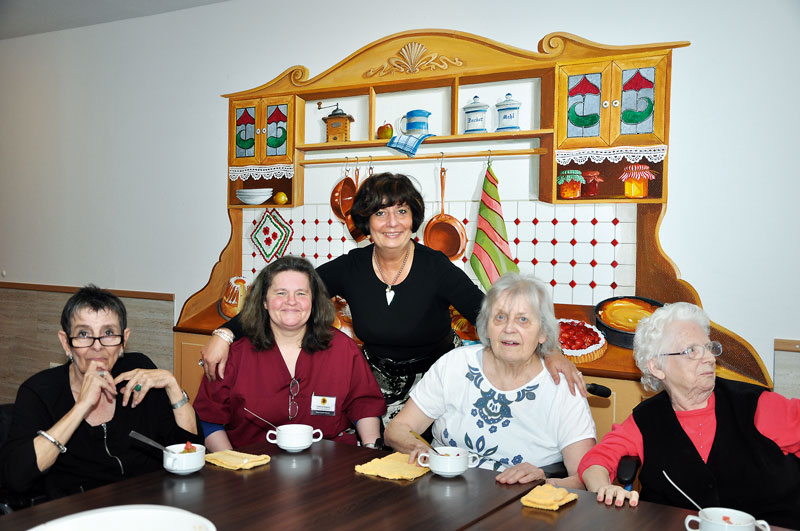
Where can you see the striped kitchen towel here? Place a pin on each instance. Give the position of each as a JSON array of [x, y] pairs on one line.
[[491, 255], [407, 144]]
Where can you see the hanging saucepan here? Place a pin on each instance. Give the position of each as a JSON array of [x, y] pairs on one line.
[[346, 206], [444, 232], [343, 193]]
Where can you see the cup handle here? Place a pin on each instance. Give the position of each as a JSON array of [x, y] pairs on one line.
[[427, 459], [473, 460], [691, 518], [316, 435], [171, 459], [761, 524], [402, 129], [274, 434]]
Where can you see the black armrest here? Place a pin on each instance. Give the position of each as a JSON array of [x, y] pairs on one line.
[[556, 470], [627, 469]]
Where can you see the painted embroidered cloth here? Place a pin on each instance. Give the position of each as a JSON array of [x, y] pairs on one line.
[[271, 235]]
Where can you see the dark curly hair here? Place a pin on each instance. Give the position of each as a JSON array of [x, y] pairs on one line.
[[95, 299], [383, 190], [255, 318]]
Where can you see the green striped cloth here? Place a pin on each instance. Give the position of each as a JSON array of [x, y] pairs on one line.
[[491, 255]]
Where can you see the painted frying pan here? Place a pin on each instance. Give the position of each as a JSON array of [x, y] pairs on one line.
[[444, 232], [342, 195]]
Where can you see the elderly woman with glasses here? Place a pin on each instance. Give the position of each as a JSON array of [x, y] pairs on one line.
[[71, 424], [724, 443], [290, 367]]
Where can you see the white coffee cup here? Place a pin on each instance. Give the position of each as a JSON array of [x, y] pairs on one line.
[[450, 461], [723, 519], [294, 437], [183, 464]]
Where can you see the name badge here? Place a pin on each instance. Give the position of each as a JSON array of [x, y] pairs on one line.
[[323, 405]]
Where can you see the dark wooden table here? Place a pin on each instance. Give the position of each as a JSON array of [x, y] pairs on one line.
[[586, 513], [314, 489]]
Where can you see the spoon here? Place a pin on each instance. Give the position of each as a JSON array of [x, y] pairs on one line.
[[147, 440], [418, 436], [679, 490], [262, 419]]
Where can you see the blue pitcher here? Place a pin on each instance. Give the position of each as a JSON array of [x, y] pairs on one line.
[[416, 122]]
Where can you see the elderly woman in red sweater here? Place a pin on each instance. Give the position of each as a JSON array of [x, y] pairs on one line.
[[724, 443]]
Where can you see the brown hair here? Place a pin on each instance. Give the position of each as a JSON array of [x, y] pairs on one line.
[[384, 190], [255, 318]]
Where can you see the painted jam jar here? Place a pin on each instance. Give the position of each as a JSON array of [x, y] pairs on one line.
[[592, 178], [475, 116], [636, 177], [508, 114], [569, 184]]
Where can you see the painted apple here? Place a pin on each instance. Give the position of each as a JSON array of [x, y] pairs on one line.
[[386, 131]]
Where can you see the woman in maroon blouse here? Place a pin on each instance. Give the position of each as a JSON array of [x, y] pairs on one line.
[[291, 367]]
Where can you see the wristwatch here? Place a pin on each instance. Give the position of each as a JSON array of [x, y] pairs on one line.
[[377, 445], [182, 402]]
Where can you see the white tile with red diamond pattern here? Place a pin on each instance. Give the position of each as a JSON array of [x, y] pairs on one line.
[[585, 252]]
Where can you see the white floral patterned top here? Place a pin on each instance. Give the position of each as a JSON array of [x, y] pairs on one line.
[[530, 424]]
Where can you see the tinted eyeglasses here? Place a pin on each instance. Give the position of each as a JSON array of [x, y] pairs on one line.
[[695, 352], [294, 388]]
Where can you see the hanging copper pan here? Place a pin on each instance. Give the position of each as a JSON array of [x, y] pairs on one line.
[[444, 232], [346, 207], [342, 195]]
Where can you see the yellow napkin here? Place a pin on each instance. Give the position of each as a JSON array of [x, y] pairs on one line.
[[548, 497], [236, 460], [393, 466]]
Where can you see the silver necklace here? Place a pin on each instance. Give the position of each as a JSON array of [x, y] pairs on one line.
[[389, 290]]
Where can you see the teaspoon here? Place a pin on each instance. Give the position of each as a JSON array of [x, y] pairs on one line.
[[147, 440]]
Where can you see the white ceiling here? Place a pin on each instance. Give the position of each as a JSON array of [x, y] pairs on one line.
[[28, 17]]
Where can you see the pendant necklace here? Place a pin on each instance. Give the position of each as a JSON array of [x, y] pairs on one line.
[[389, 290]]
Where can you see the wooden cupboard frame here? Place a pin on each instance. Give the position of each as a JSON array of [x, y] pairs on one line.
[[430, 58]]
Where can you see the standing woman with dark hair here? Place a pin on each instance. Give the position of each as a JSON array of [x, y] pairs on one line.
[[399, 293], [291, 367]]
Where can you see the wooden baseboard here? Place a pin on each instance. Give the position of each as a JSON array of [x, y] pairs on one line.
[[72, 289], [788, 345]]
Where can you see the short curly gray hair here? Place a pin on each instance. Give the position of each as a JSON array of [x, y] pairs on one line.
[[650, 338], [536, 294]]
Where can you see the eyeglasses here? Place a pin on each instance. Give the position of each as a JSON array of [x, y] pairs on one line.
[[111, 340], [695, 352], [294, 388]]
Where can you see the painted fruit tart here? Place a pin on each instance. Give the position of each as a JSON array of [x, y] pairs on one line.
[[581, 342]]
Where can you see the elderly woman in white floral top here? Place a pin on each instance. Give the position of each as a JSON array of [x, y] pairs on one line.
[[496, 399]]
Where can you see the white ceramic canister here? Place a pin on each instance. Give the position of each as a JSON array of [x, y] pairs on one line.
[[508, 114], [475, 116]]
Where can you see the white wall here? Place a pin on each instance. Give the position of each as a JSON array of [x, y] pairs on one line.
[[113, 137]]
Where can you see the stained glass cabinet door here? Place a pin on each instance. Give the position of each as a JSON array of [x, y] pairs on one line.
[[261, 132], [612, 103], [583, 107], [639, 85]]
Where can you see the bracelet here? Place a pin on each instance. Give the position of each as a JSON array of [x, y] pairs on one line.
[[224, 335], [61, 447], [182, 402]]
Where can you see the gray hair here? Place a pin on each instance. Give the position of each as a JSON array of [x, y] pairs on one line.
[[536, 294], [651, 337]]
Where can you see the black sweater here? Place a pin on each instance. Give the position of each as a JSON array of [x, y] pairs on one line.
[[46, 397]]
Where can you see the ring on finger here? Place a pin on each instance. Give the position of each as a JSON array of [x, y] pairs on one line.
[[138, 388], [200, 363], [101, 374]]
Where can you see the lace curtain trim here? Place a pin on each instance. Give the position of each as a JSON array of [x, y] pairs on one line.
[[632, 154], [277, 171]]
